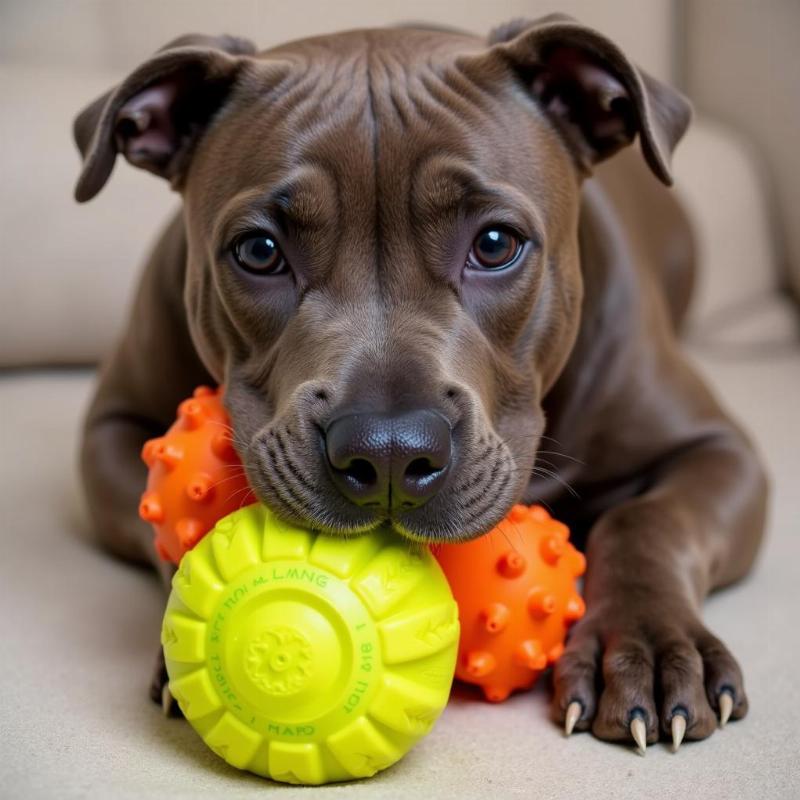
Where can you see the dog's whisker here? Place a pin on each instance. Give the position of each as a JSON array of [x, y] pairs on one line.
[[242, 490], [516, 529], [227, 479], [548, 473], [541, 502], [239, 467], [550, 439], [244, 496], [560, 455]]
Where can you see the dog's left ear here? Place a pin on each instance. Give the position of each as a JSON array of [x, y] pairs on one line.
[[155, 116], [593, 93]]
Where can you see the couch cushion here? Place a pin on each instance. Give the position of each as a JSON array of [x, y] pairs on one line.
[[742, 67], [67, 269], [717, 176]]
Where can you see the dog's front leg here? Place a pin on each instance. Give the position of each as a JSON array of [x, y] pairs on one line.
[[152, 369], [641, 662]]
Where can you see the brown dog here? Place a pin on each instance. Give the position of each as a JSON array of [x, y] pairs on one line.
[[424, 312]]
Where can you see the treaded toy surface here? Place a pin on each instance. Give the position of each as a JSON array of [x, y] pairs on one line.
[[306, 658]]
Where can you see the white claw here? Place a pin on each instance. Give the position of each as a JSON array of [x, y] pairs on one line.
[[725, 707], [639, 734], [678, 730], [574, 710], [167, 700]]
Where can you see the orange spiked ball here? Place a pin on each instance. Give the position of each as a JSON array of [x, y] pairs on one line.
[[195, 476], [517, 596]]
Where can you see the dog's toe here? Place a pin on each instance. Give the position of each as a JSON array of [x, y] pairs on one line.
[[684, 708], [724, 685], [575, 698], [626, 710]]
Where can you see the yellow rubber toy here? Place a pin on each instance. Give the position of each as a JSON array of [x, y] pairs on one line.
[[305, 658]]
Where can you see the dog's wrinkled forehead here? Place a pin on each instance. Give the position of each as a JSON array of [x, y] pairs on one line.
[[525, 97], [378, 118]]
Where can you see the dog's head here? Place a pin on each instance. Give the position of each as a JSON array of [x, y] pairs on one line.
[[383, 260]]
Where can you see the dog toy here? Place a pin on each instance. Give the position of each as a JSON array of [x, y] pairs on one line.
[[307, 658], [312, 659], [516, 594], [195, 476]]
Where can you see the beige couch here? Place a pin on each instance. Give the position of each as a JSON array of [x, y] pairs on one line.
[[79, 631]]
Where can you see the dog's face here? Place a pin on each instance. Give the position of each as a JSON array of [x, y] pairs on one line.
[[386, 234], [383, 262]]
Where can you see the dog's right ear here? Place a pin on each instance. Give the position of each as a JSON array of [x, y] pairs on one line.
[[597, 99], [156, 115]]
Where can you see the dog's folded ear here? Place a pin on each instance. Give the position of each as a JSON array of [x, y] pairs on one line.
[[593, 93], [156, 114]]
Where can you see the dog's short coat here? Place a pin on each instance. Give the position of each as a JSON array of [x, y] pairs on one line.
[[375, 161]]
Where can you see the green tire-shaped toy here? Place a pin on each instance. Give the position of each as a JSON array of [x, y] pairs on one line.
[[305, 658]]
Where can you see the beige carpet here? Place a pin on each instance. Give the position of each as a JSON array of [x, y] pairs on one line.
[[78, 634]]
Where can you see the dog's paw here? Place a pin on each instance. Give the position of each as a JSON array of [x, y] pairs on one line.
[[637, 680], [159, 688]]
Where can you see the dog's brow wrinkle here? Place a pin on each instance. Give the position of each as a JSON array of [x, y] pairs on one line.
[[398, 109], [294, 96], [445, 96], [297, 202], [275, 96], [318, 101], [479, 93], [397, 77]]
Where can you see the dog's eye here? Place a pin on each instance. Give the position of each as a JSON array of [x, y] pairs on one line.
[[259, 253], [494, 248]]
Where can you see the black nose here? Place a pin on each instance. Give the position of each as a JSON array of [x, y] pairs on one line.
[[389, 460]]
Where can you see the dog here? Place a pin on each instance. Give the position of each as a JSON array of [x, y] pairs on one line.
[[431, 293]]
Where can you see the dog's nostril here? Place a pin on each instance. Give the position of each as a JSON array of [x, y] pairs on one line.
[[389, 459], [362, 471], [420, 468]]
